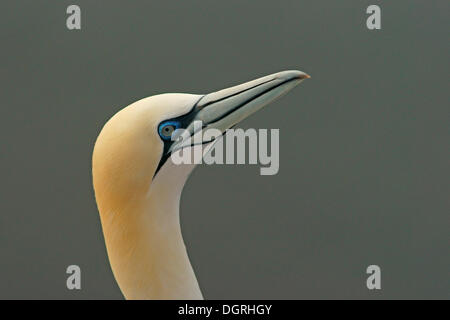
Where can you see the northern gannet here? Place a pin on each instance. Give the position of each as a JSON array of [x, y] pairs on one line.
[[138, 187]]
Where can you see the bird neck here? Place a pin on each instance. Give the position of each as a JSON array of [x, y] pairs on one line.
[[145, 244]]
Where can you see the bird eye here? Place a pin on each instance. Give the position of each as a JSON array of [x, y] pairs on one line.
[[166, 129]]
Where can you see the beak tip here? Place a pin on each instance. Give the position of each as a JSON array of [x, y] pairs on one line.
[[303, 76], [294, 74]]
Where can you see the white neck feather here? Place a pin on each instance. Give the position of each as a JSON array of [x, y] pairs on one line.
[[147, 252]]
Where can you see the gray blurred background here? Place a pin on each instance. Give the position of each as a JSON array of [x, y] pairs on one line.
[[364, 144]]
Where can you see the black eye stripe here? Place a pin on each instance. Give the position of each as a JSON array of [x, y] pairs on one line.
[[183, 121]]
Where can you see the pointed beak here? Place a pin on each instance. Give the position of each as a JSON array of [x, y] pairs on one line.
[[225, 108]]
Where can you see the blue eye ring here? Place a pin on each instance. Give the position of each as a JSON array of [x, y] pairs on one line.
[[166, 129]]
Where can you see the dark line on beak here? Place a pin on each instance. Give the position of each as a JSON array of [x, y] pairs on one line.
[[234, 94], [251, 99]]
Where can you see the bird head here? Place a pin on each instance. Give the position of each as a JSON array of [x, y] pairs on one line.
[[133, 151]]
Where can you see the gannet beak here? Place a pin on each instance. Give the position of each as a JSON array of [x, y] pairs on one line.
[[225, 108]]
